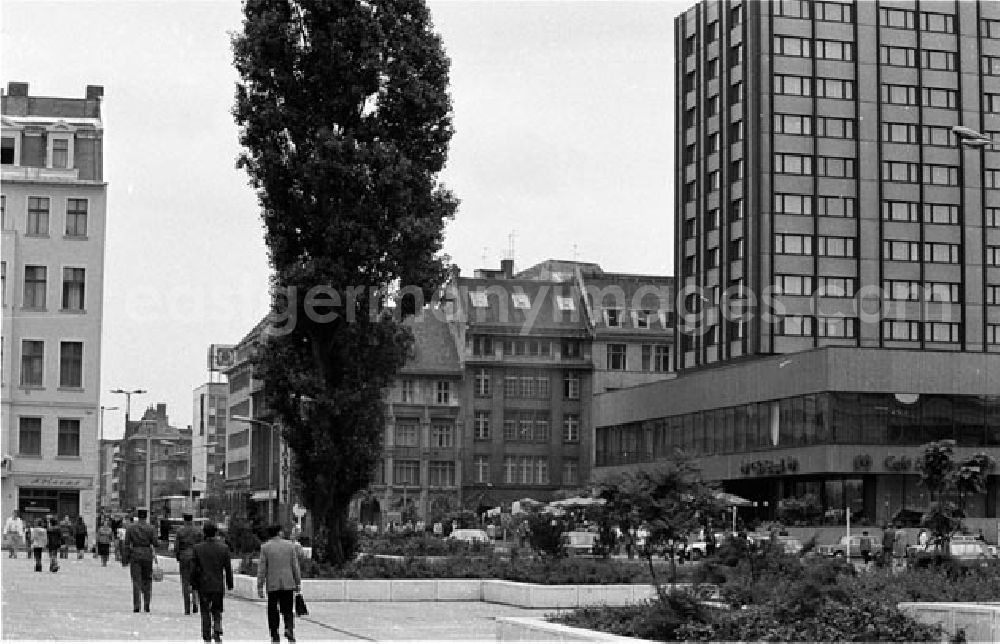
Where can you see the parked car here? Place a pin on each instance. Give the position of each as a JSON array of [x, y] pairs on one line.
[[470, 535], [965, 553], [576, 544], [698, 548], [853, 549]]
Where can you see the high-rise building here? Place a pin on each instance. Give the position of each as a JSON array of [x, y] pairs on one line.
[[208, 438], [820, 186], [53, 210], [838, 255]]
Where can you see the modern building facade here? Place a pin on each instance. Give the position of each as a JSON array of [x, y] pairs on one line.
[[152, 443], [208, 438], [837, 262], [53, 208], [820, 185], [257, 468]]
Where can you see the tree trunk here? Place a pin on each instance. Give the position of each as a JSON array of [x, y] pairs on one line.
[[335, 530]]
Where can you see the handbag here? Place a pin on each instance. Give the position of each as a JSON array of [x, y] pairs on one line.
[[300, 606], [157, 571]]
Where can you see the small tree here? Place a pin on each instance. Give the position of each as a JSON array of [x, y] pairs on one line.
[[669, 503], [941, 474]]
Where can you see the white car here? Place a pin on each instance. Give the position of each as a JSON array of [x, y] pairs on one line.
[[470, 536]]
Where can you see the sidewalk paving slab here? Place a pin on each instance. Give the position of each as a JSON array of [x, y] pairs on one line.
[[86, 601]]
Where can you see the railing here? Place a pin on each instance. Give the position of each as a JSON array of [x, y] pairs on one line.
[[27, 173]]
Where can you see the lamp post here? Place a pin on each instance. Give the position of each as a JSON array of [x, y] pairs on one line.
[[270, 459], [128, 407], [193, 478]]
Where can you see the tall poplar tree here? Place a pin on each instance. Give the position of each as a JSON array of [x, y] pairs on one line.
[[345, 120]]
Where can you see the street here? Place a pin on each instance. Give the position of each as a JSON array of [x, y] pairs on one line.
[[85, 601]]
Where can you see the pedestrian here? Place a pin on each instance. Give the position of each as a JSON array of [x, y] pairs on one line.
[[187, 537], [279, 572], [54, 543], [210, 561], [80, 535], [981, 537], [141, 542], [104, 537], [888, 543], [865, 546], [68, 538], [13, 532], [923, 538], [39, 541], [120, 541]]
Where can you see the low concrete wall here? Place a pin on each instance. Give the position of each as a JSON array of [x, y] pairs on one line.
[[980, 621], [526, 629], [495, 591]]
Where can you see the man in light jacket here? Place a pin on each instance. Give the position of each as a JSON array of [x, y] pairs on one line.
[[278, 571]]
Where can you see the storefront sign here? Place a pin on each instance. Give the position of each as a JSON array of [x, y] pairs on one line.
[[65, 482], [898, 463], [769, 467], [862, 462]]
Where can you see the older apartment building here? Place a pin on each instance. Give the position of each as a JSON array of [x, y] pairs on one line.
[[53, 208], [828, 216]]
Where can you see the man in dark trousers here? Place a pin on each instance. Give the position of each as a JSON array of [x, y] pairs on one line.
[[278, 571], [187, 537], [140, 539], [210, 561]]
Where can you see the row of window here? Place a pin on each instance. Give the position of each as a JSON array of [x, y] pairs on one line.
[[655, 357], [847, 327], [824, 11], [37, 220], [814, 419], [824, 126], [486, 345], [408, 392], [892, 210], [798, 204], [29, 437], [806, 47], [33, 364], [908, 56], [481, 299], [59, 149], [793, 85], [939, 135], [828, 246], [824, 166], [517, 470], [35, 291], [903, 290], [910, 251]]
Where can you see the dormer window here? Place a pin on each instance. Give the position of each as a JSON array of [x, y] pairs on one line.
[[613, 317], [565, 303], [59, 152], [521, 300], [479, 299]]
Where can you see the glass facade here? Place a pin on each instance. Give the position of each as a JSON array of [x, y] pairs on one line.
[[815, 419]]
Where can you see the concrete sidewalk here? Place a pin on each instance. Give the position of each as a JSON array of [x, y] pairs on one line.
[[85, 601]]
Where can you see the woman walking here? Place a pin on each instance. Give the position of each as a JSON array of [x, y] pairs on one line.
[[66, 529], [39, 541], [54, 543], [104, 542], [13, 532], [80, 534]]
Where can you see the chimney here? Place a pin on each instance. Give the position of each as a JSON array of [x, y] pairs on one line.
[[17, 89], [507, 268], [95, 92]]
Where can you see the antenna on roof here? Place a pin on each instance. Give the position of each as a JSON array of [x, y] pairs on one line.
[[510, 244], [485, 254], [575, 254]]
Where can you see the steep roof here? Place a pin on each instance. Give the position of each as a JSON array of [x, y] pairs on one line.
[[434, 349]]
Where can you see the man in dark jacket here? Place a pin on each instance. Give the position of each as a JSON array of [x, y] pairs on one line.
[[187, 537], [140, 540], [210, 563]]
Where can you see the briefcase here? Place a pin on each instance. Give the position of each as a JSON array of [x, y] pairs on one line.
[[157, 570], [300, 606]]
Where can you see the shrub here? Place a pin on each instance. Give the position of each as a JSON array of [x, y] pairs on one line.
[[241, 538], [654, 620]]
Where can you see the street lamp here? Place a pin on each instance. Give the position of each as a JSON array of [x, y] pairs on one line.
[[193, 478], [270, 459], [969, 137], [128, 407], [149, 469]]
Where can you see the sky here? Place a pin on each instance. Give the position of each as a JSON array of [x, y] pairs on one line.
[[563, 144]]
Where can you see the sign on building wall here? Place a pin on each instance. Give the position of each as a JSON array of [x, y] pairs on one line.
[[221, 357]]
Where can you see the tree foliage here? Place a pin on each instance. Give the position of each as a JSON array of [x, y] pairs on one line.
[[669, 503], [345, 121], [942, 474]]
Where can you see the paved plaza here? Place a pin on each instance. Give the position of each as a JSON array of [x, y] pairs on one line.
[[85, 601]]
